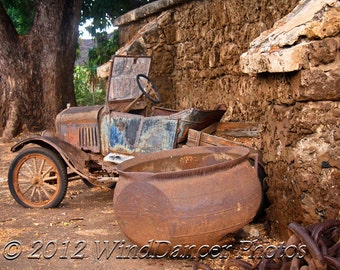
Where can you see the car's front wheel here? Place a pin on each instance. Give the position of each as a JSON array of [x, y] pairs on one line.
[[37, 178]]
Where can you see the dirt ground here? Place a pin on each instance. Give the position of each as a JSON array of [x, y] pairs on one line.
[[72, 236]]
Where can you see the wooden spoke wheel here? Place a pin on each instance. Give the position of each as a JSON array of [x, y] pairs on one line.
[[37, 178]]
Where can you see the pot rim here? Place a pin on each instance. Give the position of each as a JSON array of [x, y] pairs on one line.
[[243, 153]]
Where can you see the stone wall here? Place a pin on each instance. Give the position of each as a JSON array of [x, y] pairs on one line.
[[196, 48]]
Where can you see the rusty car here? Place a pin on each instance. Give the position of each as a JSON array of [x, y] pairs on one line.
[[88, 142]]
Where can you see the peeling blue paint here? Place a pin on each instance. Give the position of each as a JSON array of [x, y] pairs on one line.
[[134, 133]]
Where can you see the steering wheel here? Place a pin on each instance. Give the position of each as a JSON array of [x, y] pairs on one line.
[[148, 88]]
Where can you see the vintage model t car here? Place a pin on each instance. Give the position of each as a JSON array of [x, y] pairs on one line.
[[88, 142]]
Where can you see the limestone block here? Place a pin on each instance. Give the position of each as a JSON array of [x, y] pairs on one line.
[[324, 51], [146, 10], [277, 50], [318, 84], [277, 60], [104, 70]]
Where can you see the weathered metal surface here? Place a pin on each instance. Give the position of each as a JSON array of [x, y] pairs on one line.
[[92, 129], [122, 81], [187, 196], [191, 118], [75, 158], [79, 126], [128, 133], [121, 105], [196, 119]]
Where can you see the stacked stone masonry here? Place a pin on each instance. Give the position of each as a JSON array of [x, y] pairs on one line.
[[196, 47]]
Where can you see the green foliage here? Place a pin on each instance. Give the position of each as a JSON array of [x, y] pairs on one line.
[[103, 12], [89, 90], [107, 45], [21, 13]]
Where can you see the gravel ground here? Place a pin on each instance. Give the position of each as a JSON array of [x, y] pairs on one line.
[[74, 235]]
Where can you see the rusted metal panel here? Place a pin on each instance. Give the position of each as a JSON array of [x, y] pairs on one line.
[[157, 134], [79, 127], [122, 82], [123, 132], [191, 118], [75, 158], [130, 133], [188, 196], [196, 119]]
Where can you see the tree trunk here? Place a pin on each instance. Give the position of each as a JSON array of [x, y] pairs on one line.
[[36, 70]]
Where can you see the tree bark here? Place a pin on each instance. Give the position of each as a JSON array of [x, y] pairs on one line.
[[36, 70]]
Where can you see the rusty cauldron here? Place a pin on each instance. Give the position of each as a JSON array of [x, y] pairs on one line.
[[187, 196]]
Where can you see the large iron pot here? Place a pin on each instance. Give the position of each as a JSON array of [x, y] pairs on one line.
[[188, 196]]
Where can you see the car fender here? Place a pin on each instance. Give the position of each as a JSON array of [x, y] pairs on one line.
[[75, 158]]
